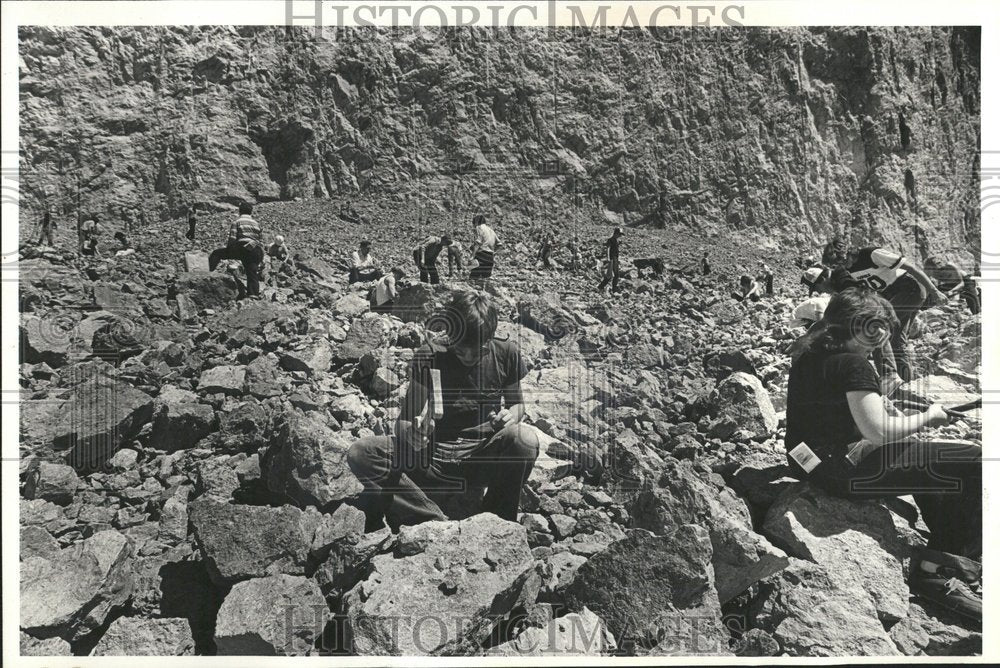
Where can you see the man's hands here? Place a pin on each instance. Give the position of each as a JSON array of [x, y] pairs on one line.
[[506, 416], [936, 297]]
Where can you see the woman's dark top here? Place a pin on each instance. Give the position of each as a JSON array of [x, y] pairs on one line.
[[818, 413]]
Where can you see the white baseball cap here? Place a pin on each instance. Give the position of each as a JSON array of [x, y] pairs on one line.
[[811, 275]]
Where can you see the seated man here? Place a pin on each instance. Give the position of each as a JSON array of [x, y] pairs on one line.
[[476, 438], [384, 293], [363, 267]]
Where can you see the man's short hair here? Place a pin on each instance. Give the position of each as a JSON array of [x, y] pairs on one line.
[[445, 239], [479, 219], [470, 318], [246, 208], [365, 244]]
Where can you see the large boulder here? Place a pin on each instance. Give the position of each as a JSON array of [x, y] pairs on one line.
[[206, 290], [927, 631], [570, 401], [366, 335], [312, 358], [276, 615], [307, 462], [857, 542], [239, 542], [225, 379], [475, 571], [547, 316], [741, 398], [345, 549], [97, 417], [48, 340], [351, 305], [72, 593], [177, 426], [655, 593], [810, 614], [576, 634], [135, 636], [416, 303], [30, 646], [53, 482], [740, 557]]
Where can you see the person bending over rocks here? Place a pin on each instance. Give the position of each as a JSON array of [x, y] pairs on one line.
[[477, 438], [246, 244], [844, 437], [897, 279]]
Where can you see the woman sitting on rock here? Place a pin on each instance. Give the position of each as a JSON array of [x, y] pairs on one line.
[[845, 438]]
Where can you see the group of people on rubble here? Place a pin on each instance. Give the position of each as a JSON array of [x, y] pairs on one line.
[[461, 421]]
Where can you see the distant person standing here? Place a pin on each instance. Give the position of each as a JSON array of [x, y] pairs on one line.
[[483, 250], [363, 267], [425, 256], [86, 230], [706, 268], [612, 271], [545, 251], [767, 277], [45, 236], [192, 224], [454, 259], [574, 252], [246, 244]]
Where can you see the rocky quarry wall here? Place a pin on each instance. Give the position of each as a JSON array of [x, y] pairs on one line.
[[779, 136]]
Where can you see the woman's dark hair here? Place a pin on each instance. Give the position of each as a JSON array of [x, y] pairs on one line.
[[470, 318], [836, 252], [246, 208], [854, 313], [479, 219]]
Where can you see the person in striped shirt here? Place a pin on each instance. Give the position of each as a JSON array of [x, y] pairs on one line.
[[246, 244]]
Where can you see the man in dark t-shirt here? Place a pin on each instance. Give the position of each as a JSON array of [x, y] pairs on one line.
[[612, 272], [465, 431]]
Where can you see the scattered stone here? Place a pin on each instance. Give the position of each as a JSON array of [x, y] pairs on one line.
[[926, 631], [267, 616], [576, 634], [177, 426], [223, 379], [307, 462], [53, 482], [134, 636], [49, 647], [206, 290], [241, 542], [473, 570], [72, 592], [655, 592], [856, 541]]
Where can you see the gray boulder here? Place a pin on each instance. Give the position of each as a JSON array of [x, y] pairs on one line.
[[307, 462], [741, 398], [474, 570], [740, 557], [136, 636], [576, 634], [276, 615], [53, 482], [857, 542], [655, 592], [73, 592], [240, 542]]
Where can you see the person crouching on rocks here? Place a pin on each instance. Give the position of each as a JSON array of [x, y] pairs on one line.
[[477, 438], [844, 437]]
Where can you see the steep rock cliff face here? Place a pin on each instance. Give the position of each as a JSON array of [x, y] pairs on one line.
[[780, 136]]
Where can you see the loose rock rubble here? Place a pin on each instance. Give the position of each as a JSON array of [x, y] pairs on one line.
[[204, 489]]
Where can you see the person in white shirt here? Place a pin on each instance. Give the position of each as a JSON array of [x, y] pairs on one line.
[[384, 293], [363, 267], [483, 249]]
